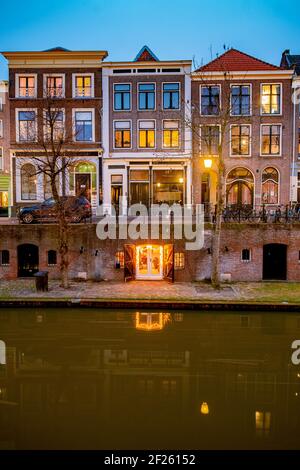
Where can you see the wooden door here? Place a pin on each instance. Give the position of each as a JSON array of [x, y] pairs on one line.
[[169, 263], [129, 262]]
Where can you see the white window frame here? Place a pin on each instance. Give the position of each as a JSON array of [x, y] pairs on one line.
[[74, 76], [162, 96], [130, 97], [1, 104], [279, 184], [220, 99], [241, 84], [17, 86], [209, 124], [1, 129], [260, 144], [138, 134], [138, 101], [83, 110], [281, 99], [250, 141], [54, 75], [17, 124], [131, 136], [250, 255], [179, 134], [64, 121]]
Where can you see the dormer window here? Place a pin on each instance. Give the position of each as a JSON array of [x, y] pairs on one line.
[[83, 86], [26, 86]]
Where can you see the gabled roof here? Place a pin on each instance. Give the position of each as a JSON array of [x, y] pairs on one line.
[[236, 61], [146, 55], [292, 61]]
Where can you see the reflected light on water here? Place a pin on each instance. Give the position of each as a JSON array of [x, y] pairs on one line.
[[151, 321]]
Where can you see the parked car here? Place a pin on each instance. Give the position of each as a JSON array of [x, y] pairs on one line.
[[76, 210]]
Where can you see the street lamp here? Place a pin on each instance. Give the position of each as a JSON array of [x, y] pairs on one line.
[[208, 163]]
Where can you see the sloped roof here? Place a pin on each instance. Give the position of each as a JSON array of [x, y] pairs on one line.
[[146, 55], [293, 62], [236, 61]]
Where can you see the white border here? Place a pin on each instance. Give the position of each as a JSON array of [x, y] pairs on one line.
[[17, 87], [220, 99], [250, 142], [130, 97], [83, 110], [17, 110], [281, 98], [162, 96], [63, 76], [113, 134], [241, 84], [275, 155], [74, 75], [138, 134]]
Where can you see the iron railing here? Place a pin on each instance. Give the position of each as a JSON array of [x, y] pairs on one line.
[[255, 214]]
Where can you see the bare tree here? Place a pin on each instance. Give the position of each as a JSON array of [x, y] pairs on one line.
[[220, 106], [50, 142]]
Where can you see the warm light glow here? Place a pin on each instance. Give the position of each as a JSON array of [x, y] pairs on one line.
[[158, 185], [208, 163], [151, 321], [204, 408], [180, 180]]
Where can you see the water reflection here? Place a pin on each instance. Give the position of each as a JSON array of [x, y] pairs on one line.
[[92, 379]]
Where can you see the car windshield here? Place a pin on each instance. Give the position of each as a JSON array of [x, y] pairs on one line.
[[49, 202]]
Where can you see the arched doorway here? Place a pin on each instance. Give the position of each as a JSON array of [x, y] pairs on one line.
[[28, 260], [239, 187], [84, 183], [275, 261]]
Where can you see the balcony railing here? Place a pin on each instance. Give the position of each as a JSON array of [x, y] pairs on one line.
[[255, 214], [83, 92], [25, 92], [55, 92]]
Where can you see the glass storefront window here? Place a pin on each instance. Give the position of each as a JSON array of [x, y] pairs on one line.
[[168, 186]]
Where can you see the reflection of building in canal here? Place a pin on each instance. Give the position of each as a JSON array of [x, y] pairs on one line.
[[94, 377], [151, 321]]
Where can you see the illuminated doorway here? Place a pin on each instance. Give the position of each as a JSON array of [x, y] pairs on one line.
[[149, 262]]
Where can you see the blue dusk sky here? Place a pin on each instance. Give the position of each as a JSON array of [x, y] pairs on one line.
[[177, 29]]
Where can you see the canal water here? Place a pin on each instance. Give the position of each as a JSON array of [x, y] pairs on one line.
[[94, 379]]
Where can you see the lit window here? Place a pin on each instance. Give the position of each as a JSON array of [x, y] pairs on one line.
[[263, 422], [146, 96], [26, 87], [122, 97], [179, 261], [52, 258], [28, 182], [210, 100], [270, 99], [4, 258], [146, 134], [171, 95], [246, 255], [171, 134], [271, 140], [119, 260], [83, 126], [240, 100], [122, 131], [27, 126], [270, 181], [210, 139], [54, 86], [240, 140], [83, 86]]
